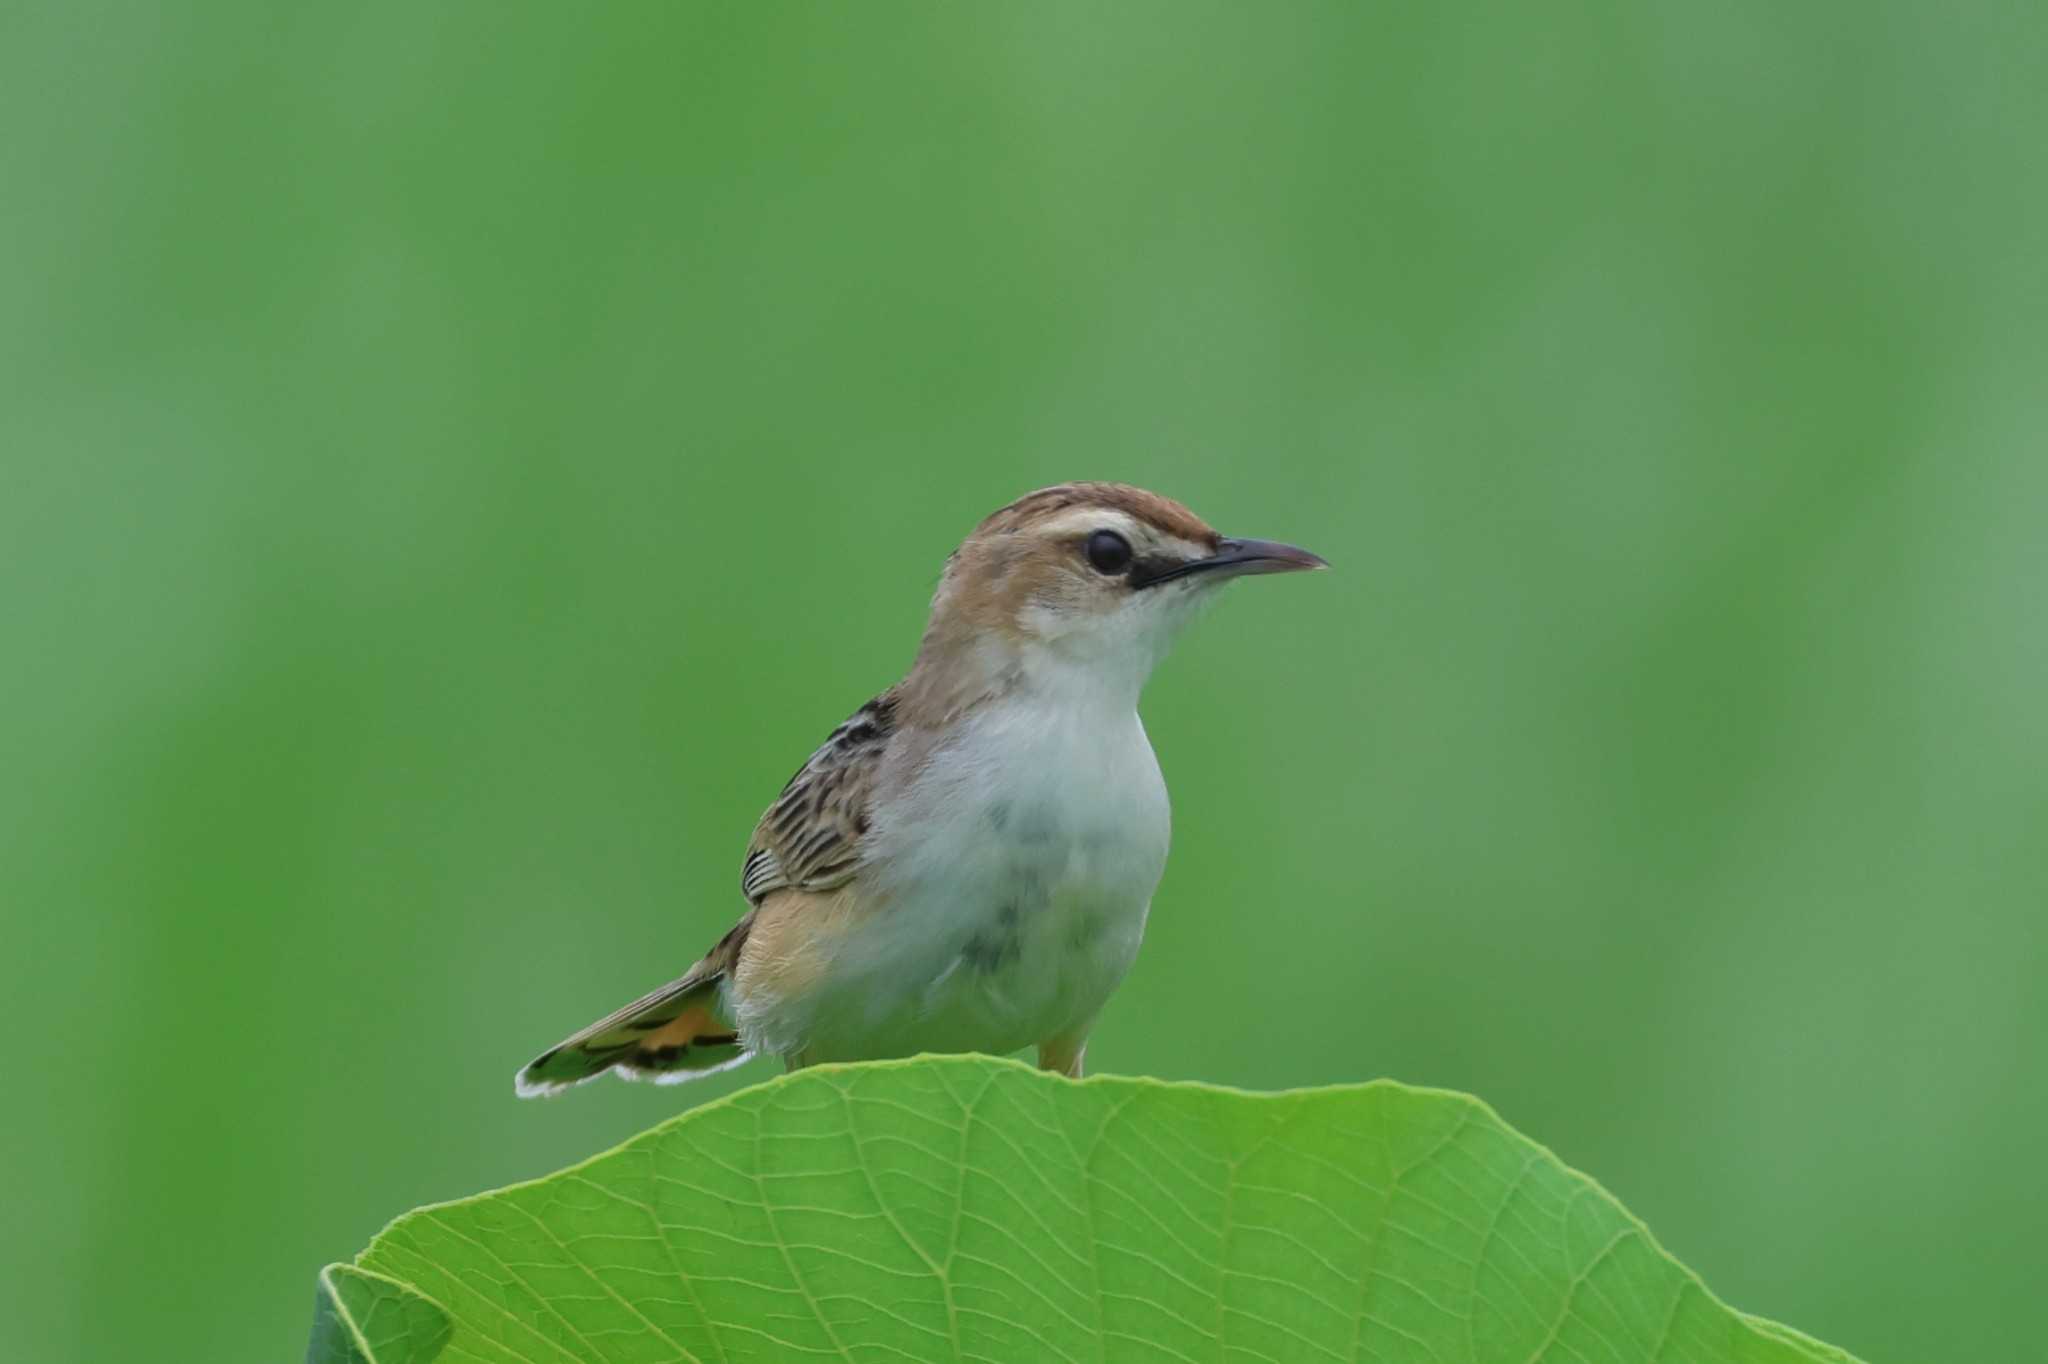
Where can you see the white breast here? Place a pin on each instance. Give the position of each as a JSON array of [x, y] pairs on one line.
[[1012, 882]]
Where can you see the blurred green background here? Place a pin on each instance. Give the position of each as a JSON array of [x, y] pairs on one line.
[[458, 461]]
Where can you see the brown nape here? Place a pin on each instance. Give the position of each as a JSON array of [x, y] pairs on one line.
[[1161, 512]]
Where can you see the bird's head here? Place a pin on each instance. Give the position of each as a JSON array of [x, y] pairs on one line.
[[1086, 582]]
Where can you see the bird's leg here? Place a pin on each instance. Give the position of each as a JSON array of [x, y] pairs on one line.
[[1063, 1055], [793, 1062]]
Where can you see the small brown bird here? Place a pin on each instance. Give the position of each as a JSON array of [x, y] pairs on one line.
[[966, 863]]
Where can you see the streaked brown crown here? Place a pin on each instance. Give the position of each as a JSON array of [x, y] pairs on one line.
[[1163, 513]]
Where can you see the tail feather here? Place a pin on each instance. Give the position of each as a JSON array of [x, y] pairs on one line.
[[668, 1036]]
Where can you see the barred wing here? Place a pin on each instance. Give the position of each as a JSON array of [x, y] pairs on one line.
[[810, 838]]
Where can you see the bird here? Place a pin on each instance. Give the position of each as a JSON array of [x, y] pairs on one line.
[[966, 864]]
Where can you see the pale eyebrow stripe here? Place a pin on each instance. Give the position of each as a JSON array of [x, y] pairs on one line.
[[1096, 518]]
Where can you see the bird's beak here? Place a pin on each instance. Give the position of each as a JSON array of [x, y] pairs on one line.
[[1237, 558], [1241, 558]]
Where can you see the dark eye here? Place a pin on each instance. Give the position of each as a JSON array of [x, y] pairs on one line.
[[1108, 552]]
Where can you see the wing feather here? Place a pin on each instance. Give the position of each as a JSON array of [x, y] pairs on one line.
[[811, 837]]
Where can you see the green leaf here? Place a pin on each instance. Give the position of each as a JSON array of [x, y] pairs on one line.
[[969, 1208], [364, 1318]]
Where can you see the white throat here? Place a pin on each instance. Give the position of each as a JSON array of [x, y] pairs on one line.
[[1104, 660]]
